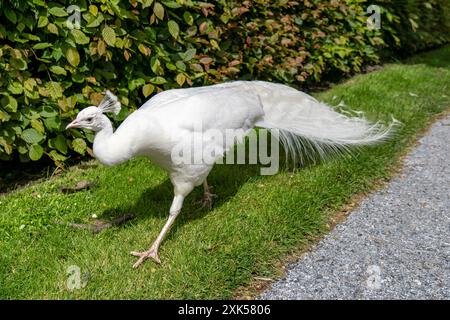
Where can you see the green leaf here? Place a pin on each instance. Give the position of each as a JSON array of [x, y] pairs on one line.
[[214, 44], [79, 36], [41, 3], [58, 12], [78, 78], [171, 66], [188, 55], [73, 57], [18, 64], [414, 24], [37, 124], [109, 35], [4, 116], [9, 103], [55, 89], [31, 37], [174, 29], [135, 83], [32, 136], [57, 53], [42, 21], [158, 10], [148, 89], [60, 143], [93, 21], [171, 4], [146, 3], [48, 112], [188, 18], [42, 45], [93, 9], [53, 123], [158, 80], [155, 65], [15, 88], [10, 14], [180, 65], [8, 148], [22, 148], [29, 84], [225, 18], [35, 152], [20, 28], [56, 156], [58, 70], [66, 103], [79, 145]]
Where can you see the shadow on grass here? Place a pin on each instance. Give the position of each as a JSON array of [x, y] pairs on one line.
[[154, 202], [15, 174], [438, 58]]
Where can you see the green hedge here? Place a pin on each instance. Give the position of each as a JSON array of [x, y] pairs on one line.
[[136, 48], [414, 25]]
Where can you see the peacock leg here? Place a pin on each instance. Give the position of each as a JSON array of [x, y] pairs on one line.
[[175, 209], [208, 197]]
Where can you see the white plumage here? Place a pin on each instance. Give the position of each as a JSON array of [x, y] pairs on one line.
[[176, 116]]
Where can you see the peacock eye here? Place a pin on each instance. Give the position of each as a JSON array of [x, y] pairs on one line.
[[89, 119]]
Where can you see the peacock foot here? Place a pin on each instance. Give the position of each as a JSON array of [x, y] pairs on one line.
[[151, 253], [207, 200]]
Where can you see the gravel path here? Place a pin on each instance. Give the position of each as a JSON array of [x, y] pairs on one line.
[[395, 245]]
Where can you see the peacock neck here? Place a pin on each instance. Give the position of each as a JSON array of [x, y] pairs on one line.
[[108, 148]]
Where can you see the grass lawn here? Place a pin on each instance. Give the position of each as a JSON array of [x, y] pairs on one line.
[[256, 221]]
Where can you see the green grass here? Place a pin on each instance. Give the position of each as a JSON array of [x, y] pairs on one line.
[[256, 221]]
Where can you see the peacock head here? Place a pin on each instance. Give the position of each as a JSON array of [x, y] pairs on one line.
[[92, 117]]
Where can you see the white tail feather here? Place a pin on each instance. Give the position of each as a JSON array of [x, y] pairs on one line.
[[309, 128]]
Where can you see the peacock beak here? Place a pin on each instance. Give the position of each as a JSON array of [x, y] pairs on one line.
[[73, 124]]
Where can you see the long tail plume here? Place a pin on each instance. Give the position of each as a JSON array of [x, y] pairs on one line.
[[311, 130]]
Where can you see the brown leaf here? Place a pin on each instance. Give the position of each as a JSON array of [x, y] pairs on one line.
[[101, 47], [96, 98], [234, 63], [91, 80], [196, 67], [203, 27], [206, 60], [81, 185], [127, 55]]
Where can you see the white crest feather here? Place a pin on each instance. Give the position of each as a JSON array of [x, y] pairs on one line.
[[110, 103]]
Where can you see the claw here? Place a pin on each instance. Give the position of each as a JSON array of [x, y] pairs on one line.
[[144, 255], [208, 199]]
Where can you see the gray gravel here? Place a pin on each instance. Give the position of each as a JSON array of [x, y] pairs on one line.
[[395, 245]]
